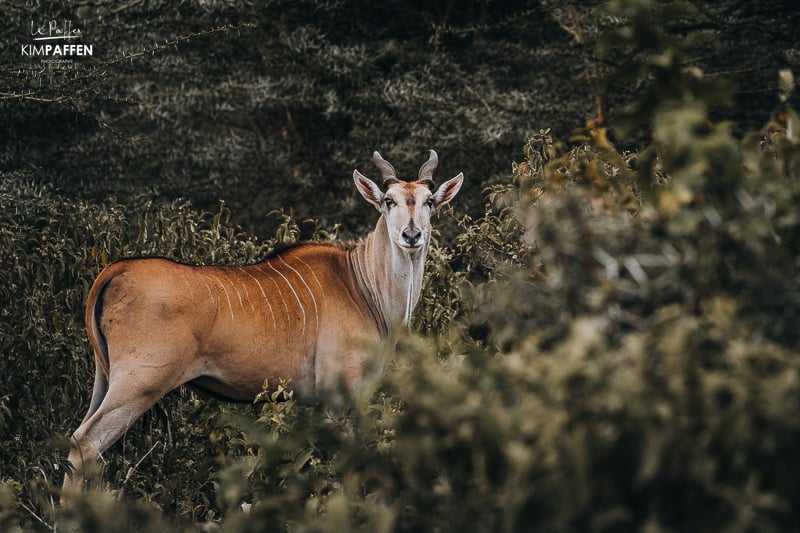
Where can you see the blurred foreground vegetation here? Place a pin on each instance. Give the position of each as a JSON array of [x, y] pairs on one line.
[[610, 345]]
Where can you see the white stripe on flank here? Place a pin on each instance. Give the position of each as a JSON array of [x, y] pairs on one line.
[[247, 296], [210, 294], [239, 294], [227, 296], [314, 300], [302, 309], [272, 314], [280, 294], [321, 288], [214, 299]]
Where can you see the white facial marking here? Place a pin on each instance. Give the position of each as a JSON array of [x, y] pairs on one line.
[[407, 211]]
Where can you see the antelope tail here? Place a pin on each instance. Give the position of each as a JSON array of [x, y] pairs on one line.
[[94, 308]]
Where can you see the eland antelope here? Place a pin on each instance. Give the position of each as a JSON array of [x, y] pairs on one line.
[[306, 315]]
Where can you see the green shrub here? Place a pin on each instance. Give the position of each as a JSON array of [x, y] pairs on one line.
[[614, 365]]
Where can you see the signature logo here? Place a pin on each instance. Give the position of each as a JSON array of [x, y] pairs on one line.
[[56, 40], [51, 30]]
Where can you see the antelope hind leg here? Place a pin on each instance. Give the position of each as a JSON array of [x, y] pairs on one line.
[[119, 409]]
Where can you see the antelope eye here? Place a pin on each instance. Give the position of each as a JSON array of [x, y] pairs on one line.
[[429, 202], [388, 201]]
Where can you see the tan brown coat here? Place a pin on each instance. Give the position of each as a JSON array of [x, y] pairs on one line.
[[310, 316]]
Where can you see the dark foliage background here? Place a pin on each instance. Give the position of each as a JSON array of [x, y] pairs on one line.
[[608, 334], [270, 105]]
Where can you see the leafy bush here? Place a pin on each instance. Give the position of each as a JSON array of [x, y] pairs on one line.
[[628, 365], [624, 380]]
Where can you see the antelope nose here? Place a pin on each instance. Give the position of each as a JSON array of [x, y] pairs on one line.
[[412, 235]]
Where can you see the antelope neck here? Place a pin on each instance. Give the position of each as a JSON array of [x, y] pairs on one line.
[[389, 278]]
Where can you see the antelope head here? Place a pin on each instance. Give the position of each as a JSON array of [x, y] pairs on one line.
[[407, 205]]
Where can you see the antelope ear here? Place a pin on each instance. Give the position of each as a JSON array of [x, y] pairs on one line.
[[447, 191], [368, 189]]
